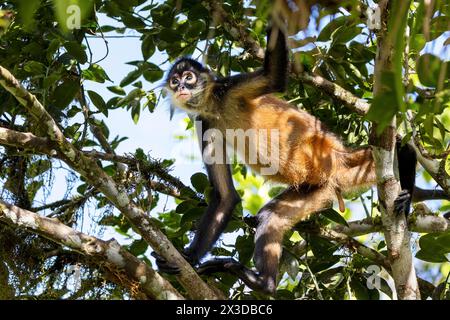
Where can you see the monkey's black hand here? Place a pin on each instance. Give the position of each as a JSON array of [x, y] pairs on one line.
[[164, 266], [402, 204]]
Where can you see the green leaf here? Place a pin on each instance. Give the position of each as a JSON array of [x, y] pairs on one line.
[[132, 22], [429, 68], [117, 90], [148, 47], [431, 256], [326, 32], [438, 26], [244, 246], [27, 9], [359, 288], [185, 206], [138, 247], [417, 43], [170, 36], [434, 247], [320, 264], [37, 168], [65, 93], [95, 73], [34, 67], [191, 215], [276, 191], [152, 72], [199, 181], [385, 104], [195, 28], [289, 264], [334, 216], [130, 77], [136, 112], [98, 101], [322, 248], [76, 50], [344, 34], [163, 15]]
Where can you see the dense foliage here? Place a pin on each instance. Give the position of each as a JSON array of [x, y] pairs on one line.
[[54, 63]]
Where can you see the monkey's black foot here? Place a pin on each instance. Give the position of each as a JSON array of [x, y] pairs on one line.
[[164, 266], [219, 265], [402, 204], [251, 278]]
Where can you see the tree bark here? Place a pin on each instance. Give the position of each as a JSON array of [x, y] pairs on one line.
[[395, 226], [107, 254]]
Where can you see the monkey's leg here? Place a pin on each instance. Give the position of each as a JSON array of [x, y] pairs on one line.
[[275, 218], [407, 161]]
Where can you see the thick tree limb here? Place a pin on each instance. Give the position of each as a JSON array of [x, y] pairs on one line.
[[26, 140], [419, 223], [395, 228], [107, 254], [336, 92], [151, 168], [29, 142], [88, 168]]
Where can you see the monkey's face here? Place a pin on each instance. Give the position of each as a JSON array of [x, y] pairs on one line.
[[182, 85], [186, 82]]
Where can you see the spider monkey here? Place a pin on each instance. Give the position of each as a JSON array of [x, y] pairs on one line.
[[314, 163]]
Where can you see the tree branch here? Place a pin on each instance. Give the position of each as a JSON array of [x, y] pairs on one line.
[[421, 221], [88, 168], [395, 227], [106, 254], [352, 244], [171, 185]]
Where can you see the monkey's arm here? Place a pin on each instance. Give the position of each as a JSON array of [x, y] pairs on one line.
[[222, 201], [271, 78]]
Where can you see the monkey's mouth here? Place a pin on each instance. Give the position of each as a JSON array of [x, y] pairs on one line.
[[183, 95]]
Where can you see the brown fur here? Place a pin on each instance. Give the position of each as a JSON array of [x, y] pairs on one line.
[[309, 153], [314, 163]]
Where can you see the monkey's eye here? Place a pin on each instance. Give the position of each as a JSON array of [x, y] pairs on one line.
[[191, 78], [174, 82]]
